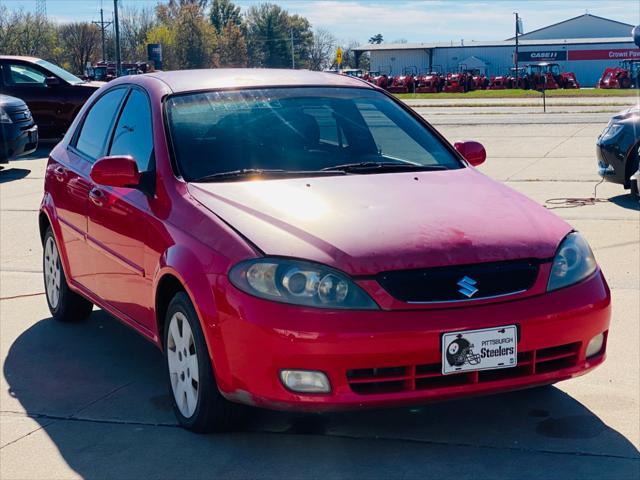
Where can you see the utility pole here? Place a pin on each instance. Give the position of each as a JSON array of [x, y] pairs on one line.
[[103, 27], [293, 58], [115, 19], [516, 56]]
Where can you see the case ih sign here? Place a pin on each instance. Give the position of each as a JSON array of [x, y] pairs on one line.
[[542, 56], [616, 54]]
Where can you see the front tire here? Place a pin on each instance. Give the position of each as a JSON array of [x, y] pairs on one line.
[[64, 304], [197, 403]]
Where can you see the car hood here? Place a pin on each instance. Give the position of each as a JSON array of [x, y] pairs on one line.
[[365, 224], [92, 84], [11, 103]]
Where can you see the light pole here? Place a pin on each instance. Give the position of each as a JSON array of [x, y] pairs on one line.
[[115, 19], [293, 58], [516, 56]]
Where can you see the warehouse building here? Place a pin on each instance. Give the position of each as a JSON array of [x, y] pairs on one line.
[[585, 45]]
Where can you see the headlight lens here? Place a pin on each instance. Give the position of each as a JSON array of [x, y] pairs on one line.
[[611, 131], [4, 117], [300, 283], [574, 261]]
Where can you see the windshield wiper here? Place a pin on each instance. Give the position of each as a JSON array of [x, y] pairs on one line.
[[373, 167], [260, 172]]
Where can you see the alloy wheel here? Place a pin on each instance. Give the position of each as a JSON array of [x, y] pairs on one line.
[[183, 364], [52, 272]]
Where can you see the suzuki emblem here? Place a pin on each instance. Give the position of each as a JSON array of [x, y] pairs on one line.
[[467, 287]]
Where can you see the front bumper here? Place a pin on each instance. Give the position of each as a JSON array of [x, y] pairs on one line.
[[17, 139], [612, 155], [398, 351]]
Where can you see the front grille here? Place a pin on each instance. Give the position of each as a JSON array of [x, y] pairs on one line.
[[20, 115], [368, 381], [442, 284]]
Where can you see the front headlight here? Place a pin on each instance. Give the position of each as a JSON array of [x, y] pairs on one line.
[[611, 131], [4, 117], [300, 283], [573, 262]]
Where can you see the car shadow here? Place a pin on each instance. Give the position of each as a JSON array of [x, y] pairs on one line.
[[97, 389], [626, 201], [11, 174]]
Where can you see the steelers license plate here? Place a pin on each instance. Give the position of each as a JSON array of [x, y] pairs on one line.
[[485, 349]]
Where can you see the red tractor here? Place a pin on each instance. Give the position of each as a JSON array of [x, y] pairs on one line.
[[459, 82], [106, 71], [627, 75], [405, 83], [431, 82], [498, 82], [479, 80], [377, 78], [547, 76], [541, 77], [518, 78]]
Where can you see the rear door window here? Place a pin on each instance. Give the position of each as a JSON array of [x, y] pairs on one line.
[[98, 123]]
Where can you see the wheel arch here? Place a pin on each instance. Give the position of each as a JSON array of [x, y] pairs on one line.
[[181, 270]]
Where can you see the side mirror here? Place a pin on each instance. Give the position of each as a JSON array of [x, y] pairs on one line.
[[117, 171], [473, 152], [51, 81]]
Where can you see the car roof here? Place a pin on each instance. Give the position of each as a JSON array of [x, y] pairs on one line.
[[17, 57], [228, 78]]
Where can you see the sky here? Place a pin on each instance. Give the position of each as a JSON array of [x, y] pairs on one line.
[[410, 20]]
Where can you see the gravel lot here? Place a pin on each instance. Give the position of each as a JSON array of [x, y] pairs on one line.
[[90, 401]]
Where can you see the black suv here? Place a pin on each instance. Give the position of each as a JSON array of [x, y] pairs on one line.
[[18, 133]]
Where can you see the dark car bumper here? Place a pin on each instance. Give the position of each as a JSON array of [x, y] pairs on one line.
[[16, 140], [613, 154]]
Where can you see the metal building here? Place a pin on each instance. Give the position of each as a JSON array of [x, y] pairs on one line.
[[585, 45]]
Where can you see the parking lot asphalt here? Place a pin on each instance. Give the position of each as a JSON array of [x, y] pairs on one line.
[[90, 401]]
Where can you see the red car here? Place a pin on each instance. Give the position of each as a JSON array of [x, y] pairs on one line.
[[300, 240]]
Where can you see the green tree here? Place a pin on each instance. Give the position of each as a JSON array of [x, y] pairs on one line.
[[302, 39], [231, 50], [377, 39], [223, 13], [270, 31], [267, 36], [195, 38], [24, 33]]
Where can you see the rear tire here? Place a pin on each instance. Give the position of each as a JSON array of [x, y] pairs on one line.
[[197, 402], [64, 304]]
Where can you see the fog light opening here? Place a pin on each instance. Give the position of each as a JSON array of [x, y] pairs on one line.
[[595, 345], [305, 381]]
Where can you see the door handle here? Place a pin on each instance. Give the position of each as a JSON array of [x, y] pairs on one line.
[[97, 196]]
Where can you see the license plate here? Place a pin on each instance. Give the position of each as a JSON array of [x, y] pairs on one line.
[[485, 349]]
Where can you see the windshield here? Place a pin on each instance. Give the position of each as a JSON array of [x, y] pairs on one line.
[[297, 129], [60, 72]]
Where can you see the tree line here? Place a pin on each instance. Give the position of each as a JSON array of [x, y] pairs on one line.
[[193, 34]]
